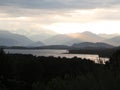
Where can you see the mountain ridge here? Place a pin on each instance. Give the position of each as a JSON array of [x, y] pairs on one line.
[[92, 45], [10, 39], [113, 41], [69, 39]]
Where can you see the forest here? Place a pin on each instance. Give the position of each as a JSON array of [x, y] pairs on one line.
[[28, 72], [102, 52]]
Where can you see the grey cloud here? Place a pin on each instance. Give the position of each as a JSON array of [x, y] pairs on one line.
[[37, 7], [40, 4], [59, 4], [46, 11]]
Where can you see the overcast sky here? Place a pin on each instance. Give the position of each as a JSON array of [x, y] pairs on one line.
[[30, 17]]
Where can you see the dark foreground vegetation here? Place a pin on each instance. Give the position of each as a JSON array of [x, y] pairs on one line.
[[102, 52], [27, 72]]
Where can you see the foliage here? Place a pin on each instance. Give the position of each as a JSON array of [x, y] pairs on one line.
[[28, 72]]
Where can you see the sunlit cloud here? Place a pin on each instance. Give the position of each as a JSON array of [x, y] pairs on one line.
[[23, 16], [96, 27]]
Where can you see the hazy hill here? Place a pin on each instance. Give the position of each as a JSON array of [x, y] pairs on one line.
[[113, 41], [108, 36], [10, 39], [87, 36], [69, 39], [71, 42], [7, 42], [43, 35], [92, 45], [37, 44], [60, 39], [40, 37]]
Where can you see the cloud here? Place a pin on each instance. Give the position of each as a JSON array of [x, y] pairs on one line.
[[60, 8], [30, 15], [59, 4]]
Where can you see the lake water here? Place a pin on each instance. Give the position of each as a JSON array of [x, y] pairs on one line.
[[55, 53]]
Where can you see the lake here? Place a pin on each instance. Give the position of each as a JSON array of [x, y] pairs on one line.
[[55, 53]]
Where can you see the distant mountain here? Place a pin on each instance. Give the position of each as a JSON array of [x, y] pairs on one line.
[[7, 42], [42, 36], [69, 39], [60, 39], [10, 39], [108, 36], [36, 44], [92, 45], [113, 41], [87, 36]]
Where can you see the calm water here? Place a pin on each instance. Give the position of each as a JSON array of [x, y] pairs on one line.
[[55, 53]]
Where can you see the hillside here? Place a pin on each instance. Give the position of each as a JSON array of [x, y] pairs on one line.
[[92, 45], [59, 39], [36, 44], [69, 39], [10, 39], [113, 41], [87, 36]]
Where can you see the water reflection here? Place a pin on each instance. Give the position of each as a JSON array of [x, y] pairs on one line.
[[56, 53]]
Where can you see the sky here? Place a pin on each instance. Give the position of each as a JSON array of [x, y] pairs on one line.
[[30, 17]]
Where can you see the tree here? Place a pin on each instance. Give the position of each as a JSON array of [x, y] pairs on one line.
[[2, 51], [114, 62]]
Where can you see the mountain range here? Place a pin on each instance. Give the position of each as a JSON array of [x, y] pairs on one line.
[[43, 35], [11, 39], [69, 39], [72, 38], [36, 44], [113, 41], [108, 36]]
